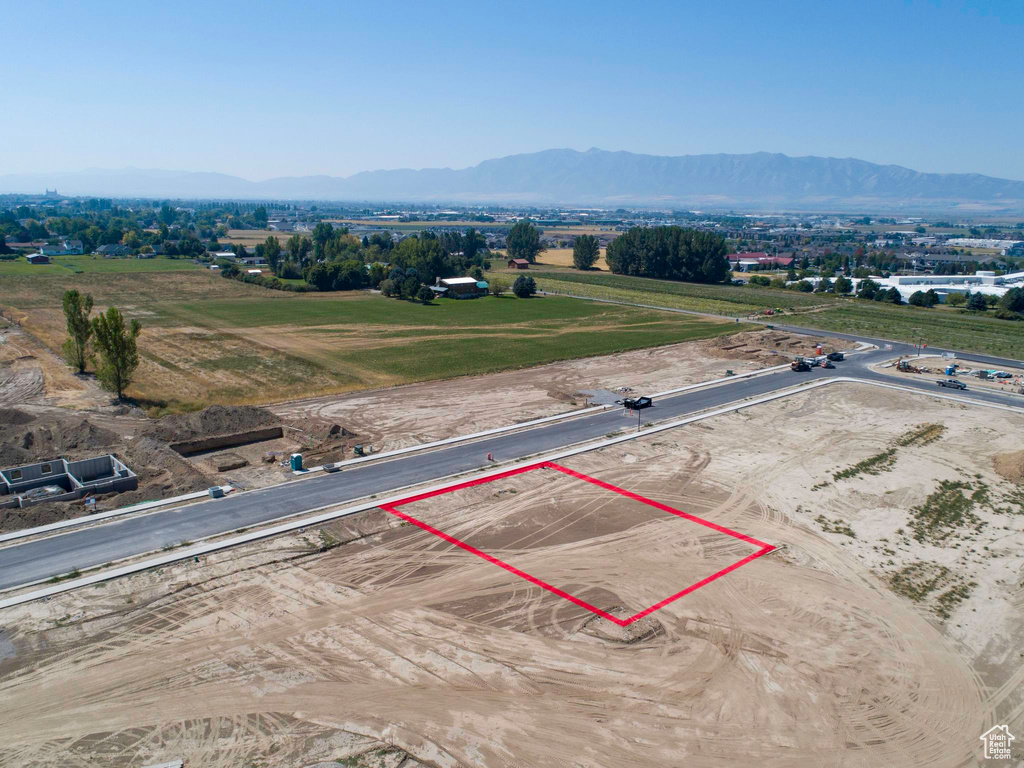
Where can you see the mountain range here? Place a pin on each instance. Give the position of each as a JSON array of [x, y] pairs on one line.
[[566, 176]]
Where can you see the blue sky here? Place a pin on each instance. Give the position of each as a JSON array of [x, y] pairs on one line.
[[295, 88]]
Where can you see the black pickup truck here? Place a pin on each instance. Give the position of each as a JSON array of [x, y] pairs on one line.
[[636, 403]]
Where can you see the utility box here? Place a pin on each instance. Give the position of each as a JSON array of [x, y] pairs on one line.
[[216, 492], [296, 462]]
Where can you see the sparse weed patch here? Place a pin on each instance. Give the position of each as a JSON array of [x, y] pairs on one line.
[[918, 581], [921, 435], [873, 465], [835, 526], [944, 513]]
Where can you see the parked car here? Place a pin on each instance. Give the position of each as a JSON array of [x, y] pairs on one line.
[[828, 364], [836, 356], [951, 384]]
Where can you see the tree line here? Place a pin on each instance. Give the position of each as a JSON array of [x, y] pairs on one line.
[[671, 253], [332, 259]]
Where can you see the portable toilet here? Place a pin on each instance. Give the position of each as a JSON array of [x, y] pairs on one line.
[[950, 370], [296, 462]]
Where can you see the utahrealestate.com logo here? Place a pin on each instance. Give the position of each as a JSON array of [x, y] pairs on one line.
[[997, 742]]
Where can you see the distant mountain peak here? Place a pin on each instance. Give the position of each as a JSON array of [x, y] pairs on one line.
[[595, 176]]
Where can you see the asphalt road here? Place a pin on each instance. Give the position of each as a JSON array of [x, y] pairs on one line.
[[87, 547]]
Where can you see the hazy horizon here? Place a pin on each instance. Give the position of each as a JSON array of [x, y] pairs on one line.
[[316, 88], [471, 165]]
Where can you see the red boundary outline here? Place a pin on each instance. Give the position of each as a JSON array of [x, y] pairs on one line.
[[763, 549]]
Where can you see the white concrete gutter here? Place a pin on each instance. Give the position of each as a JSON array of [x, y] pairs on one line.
[[146, 505]]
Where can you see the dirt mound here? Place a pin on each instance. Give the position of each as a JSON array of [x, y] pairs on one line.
[[764, 345], [25, 439], [1010, 465], [12, 417], [72, 438], [209, 422]]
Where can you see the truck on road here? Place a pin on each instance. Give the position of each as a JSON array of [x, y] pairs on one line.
[[951, 384]]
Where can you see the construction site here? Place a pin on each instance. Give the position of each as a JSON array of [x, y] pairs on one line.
[[844, 590], [47, 414]]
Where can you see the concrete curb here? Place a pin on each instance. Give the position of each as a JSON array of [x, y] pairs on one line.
[[460, 438], [146, 505]]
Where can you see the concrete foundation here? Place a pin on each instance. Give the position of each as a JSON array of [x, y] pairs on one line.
[[63, 480]]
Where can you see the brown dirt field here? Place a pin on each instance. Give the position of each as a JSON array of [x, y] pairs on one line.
[[420, 413], [283, 654], [250, 238], [552, 257], [30, 374], [177, 357], [1010, 466]]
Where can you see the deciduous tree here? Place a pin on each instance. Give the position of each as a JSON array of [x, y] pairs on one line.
[[523, 241], [119, 355], [524, 287], [76, 312], [585, 251]]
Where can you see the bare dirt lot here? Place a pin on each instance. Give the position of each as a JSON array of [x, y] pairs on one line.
[[935, 366], [886, 629], [402, 416]]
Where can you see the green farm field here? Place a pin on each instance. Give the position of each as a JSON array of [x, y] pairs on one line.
[[208, 340], [728, 300], [63, 265], [940, 326]]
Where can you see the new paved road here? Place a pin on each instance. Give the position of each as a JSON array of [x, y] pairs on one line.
[[40, 559]]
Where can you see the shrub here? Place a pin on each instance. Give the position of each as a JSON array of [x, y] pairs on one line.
[[804, 286], [424, 295], [497, 286], [760, 280], [977, 302], [956, 299]]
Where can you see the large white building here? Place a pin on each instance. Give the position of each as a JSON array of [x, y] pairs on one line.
[[987, 283]]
